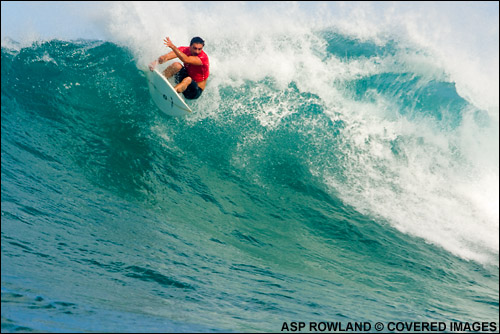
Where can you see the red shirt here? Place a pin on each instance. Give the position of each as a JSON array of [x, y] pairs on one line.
[[197, 73]]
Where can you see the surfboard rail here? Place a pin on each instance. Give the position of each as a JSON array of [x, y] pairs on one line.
[[165, 96]]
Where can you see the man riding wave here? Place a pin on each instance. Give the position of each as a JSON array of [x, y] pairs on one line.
[[191, 78]]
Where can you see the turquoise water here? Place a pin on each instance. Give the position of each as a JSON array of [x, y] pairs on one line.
[[357, 199]]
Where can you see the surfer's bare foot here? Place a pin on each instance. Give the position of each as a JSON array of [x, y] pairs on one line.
[[183, 85]]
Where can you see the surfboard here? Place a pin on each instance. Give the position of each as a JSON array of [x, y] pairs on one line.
[[165, 96]]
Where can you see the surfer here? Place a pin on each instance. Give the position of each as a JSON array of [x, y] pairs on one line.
[[191, 78]]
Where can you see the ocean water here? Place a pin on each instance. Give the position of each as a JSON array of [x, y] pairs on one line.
[[335, 169]]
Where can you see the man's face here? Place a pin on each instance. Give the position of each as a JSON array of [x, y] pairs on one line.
[[196, 48]]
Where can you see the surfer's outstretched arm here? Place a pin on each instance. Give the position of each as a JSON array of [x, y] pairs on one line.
[[162, 59], [192, 60]]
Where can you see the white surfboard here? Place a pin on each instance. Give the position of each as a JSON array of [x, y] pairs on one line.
[[165, 96]]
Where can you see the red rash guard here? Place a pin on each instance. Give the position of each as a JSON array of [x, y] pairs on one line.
[[197, 73]]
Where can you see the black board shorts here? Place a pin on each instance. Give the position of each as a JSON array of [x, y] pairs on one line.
[[193, 91]]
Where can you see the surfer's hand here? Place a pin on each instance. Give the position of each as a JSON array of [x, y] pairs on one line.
[[169, 43], [153, 65]]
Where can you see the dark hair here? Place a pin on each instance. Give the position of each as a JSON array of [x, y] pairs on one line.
[[197, 40]]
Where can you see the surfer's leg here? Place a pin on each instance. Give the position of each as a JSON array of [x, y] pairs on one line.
[[172, 69], [181, 86]]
